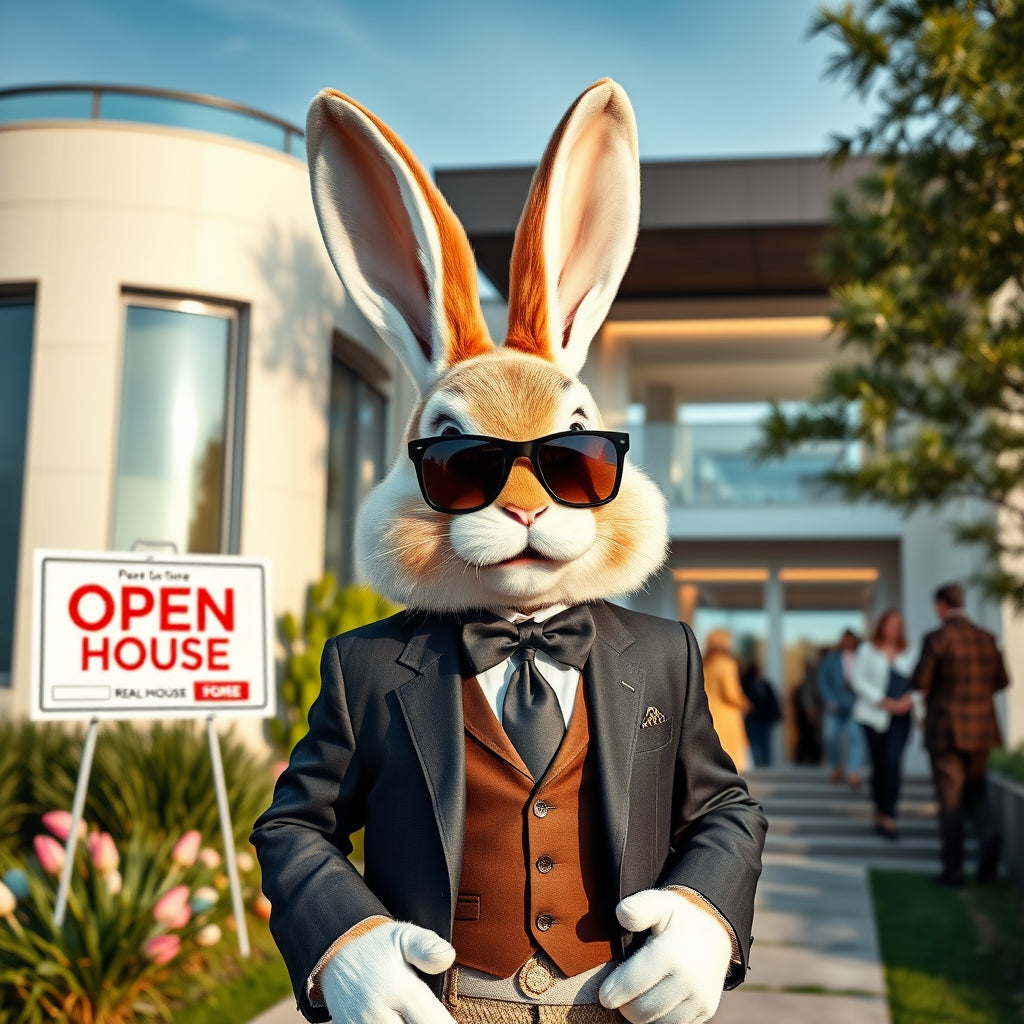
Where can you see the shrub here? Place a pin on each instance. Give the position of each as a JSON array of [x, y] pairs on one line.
[[158, 780], [1008, 762], [135, 936], [330, 610]]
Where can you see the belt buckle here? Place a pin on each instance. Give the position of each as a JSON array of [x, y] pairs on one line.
[[536, 977]]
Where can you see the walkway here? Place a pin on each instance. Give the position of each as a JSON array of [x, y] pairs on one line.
[[815, 956]]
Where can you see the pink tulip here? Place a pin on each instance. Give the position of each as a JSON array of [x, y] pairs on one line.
[[262, 907], [210, 857], [114, 882], [208, 936], [169, 908], [7, 901], [59, 823], [103, 852], [186, 849], [162, 949], [277, 768], [245, 862], [50, 854]]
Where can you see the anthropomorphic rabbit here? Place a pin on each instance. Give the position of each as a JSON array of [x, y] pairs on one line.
[[552, 830]]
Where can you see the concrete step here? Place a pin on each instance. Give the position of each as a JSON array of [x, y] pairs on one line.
[[839, 793], [863, 849], [813, 824], [837, 810]]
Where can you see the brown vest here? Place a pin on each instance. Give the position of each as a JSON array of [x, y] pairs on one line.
[[534, 868]]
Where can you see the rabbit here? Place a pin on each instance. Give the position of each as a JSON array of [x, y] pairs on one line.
[[511, 502], [420, 291]]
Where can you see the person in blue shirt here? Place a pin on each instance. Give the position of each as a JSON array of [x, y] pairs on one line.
[[843, 737]]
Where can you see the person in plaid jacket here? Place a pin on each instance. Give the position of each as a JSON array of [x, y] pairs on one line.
[[959, 672]]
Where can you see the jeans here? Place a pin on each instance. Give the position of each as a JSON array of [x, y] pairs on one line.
[[759, 735], [886, 749], [844, 742]]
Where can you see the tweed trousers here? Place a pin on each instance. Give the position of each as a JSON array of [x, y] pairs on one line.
[[476, 1010]]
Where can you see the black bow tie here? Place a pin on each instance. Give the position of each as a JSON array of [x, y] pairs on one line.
[[531, 715], [566, 637]]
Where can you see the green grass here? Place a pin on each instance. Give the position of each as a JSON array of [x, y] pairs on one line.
[[248, 986], [951, 956]]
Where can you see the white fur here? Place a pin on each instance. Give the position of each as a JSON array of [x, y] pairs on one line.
[[337, 191], [591, 219]]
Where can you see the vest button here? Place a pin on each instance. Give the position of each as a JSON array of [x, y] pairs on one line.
[[540, 809], [544, 922], [544, 864]]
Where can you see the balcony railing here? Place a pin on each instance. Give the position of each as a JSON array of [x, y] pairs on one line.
[[149, 106], [711, 465]]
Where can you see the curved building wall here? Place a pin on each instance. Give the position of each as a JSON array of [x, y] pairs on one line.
[[91, 211]]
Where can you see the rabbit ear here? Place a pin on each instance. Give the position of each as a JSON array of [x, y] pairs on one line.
[[577, 232], [399, 250]]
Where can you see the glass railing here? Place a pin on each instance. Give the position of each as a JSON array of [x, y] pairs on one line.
[[712, 465], [149, 106]]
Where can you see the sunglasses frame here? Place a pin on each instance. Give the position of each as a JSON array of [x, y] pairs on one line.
[[513, 450]]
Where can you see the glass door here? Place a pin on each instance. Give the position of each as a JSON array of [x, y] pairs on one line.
[[818, 606]]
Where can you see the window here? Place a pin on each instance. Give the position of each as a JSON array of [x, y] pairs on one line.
[[355, 453], [706, 459], [179, 456], [17, 317]]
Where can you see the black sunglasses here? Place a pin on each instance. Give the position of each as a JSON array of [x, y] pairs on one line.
[[465, 472]]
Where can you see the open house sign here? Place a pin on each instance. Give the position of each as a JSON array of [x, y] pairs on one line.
[[141, 636]]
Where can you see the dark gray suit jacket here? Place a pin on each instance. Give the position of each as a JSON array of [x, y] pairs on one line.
[[385, 749]]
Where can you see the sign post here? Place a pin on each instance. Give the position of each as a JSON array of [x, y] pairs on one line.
[[136, 636]]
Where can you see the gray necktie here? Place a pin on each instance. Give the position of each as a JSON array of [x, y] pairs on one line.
[[531, 715]]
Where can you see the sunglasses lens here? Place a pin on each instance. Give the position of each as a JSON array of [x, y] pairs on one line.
[[460, 474], [580, 469]]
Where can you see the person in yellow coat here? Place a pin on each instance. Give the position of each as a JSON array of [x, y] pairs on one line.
[[725, 696]]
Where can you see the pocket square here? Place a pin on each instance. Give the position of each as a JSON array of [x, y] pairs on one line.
[[652, 716]]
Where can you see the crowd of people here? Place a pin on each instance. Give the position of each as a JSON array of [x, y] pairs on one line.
[[858, 706]]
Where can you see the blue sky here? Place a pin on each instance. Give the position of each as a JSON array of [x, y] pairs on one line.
[[465, 83]]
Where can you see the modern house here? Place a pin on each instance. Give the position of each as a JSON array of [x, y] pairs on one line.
[[178, 362]]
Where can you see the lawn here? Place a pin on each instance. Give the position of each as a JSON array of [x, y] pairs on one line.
[[951, 956], [249, 986]]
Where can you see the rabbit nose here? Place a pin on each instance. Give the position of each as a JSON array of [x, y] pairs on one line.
[[522, 515]]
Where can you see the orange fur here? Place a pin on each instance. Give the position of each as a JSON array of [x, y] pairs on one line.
[[467, 332], [529, 329]]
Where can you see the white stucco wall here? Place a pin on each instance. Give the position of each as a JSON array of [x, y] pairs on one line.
[[89, 209]]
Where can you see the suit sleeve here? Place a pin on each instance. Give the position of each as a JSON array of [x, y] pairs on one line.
[[303, 842], [718, 828]]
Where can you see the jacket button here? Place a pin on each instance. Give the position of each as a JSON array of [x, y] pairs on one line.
[[544, 922], [540, 809], [544, 864]]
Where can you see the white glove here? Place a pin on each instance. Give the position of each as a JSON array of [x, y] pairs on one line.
[[370, 980], [677, 975]]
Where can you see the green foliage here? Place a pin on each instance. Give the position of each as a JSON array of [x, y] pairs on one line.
[[245, 988], [330, 610], [156, 779], [1008, 762], [926, 259], [121, 954]]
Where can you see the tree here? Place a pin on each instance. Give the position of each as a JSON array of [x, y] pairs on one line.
[[926, 261]]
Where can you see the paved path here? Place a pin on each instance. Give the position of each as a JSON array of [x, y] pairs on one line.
[[815, 953]]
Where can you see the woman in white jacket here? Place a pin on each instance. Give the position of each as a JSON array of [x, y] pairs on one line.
[[881, 678]]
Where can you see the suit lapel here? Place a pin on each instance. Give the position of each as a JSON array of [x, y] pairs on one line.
[[615, 693], [432, 705]]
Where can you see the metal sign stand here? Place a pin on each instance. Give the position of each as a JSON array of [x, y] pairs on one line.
[[78, 807]]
